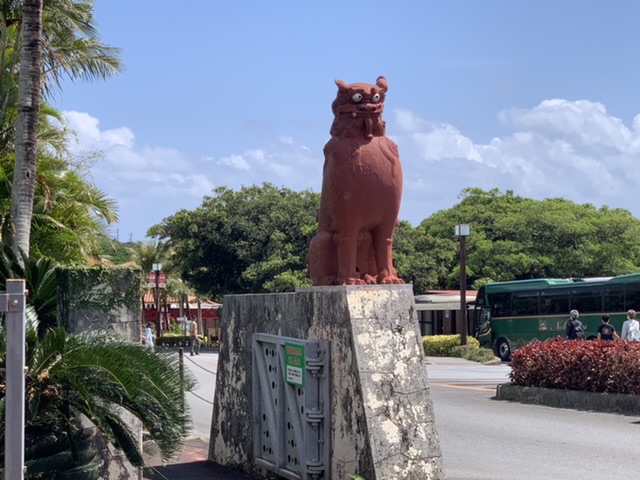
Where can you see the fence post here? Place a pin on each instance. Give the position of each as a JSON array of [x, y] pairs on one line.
[[15, 320], [181, 370]]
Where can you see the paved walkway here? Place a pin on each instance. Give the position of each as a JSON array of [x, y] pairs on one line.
[[190, 464]]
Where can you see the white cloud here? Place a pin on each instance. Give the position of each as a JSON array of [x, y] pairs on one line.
[[153, 182], [558, 148], [87, 131], [235, 161]]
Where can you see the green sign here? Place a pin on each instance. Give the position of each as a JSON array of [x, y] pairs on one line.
[[294, 364]]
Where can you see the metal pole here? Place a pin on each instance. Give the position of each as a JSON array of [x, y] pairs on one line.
[[158, 327], [181, 369], [463, 290], [14, 415]]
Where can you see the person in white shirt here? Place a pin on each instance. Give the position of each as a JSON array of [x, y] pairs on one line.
[[630, 327], [148, 336]]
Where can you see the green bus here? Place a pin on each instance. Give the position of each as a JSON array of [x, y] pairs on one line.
[[507, 315]]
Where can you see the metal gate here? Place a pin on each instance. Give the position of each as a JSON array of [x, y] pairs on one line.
[[291, 406]]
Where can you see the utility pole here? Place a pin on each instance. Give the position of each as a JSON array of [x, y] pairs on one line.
[[157, 267], [463, 232]]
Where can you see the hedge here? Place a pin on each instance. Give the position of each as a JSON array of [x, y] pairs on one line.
[[594, 366], [174, 340], [442, 345]]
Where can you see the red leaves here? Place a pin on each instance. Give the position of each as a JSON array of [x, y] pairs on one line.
[[595, 366]]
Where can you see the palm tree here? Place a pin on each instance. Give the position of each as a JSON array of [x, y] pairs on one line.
[[97, 376], [56, 39], [145, 254], [70, 214], [24, 172]]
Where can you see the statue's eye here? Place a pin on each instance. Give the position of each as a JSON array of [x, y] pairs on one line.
[[375, 98], [357, 97]]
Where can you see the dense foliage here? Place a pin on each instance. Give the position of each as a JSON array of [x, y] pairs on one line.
[[69, 212], [254, 240], [99, 376], [514, 238], [594, 366]]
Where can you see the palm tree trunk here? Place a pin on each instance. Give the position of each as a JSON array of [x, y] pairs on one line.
[[24, 176]]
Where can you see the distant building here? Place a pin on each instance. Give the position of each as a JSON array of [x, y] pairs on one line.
[[170, 312], [438, 311]]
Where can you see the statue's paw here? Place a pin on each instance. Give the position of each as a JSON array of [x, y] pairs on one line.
[[392, 281], [369, 280], [351, 281]]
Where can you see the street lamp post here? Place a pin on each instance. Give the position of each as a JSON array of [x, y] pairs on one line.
[[157, 267], [463, 231]]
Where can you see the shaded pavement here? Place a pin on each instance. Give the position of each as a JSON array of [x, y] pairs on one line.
[[191, 463]]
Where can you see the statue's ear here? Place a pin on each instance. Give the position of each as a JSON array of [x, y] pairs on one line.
[[342, 85], [381, 82]]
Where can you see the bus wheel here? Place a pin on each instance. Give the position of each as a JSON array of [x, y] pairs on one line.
[[503, 349]]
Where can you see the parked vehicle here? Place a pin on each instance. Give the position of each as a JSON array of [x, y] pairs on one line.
[[508, 315]]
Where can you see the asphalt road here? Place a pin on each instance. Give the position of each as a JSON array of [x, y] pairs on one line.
[[486, 439]]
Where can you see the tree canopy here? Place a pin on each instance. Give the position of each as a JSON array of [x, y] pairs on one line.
[[255, 240], [252, 240], [515, 238]]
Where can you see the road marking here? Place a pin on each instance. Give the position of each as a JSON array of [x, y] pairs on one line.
[[461, 387]]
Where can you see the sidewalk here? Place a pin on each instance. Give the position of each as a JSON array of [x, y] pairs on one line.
[[190, 464]]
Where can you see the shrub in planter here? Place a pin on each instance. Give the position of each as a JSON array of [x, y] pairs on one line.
[[441, 345], [170, 339], [473, 353], [595, 366], [173, 340]]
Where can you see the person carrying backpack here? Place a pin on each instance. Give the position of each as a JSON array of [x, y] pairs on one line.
[[631, 327], [606, 331], [574, 327]]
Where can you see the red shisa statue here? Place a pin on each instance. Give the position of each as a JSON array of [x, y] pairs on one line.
[[361, 191]]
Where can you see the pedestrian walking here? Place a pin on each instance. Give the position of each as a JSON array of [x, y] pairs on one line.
[[574, 327], [606, 331], [631, 327], [149, 337], [195, 341]]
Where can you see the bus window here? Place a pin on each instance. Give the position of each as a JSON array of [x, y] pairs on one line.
[[554, 302], [524, 303], [632, 297], [587, 299], [500, 304], [614, 298]]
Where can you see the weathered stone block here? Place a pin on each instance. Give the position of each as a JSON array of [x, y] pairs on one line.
[[381, 410]]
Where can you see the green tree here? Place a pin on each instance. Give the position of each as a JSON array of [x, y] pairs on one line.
[[420, 258], [49, 41], [515, 238], [253, 240]]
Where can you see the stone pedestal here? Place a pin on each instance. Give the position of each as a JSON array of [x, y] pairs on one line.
[[383, 425]]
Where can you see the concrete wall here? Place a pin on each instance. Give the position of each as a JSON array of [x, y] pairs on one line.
[[98, 298], [383, 425]]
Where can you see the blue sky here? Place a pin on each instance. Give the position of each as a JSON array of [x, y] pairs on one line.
[[535, 97]]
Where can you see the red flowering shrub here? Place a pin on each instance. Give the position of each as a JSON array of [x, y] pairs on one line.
[[595, 366]]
